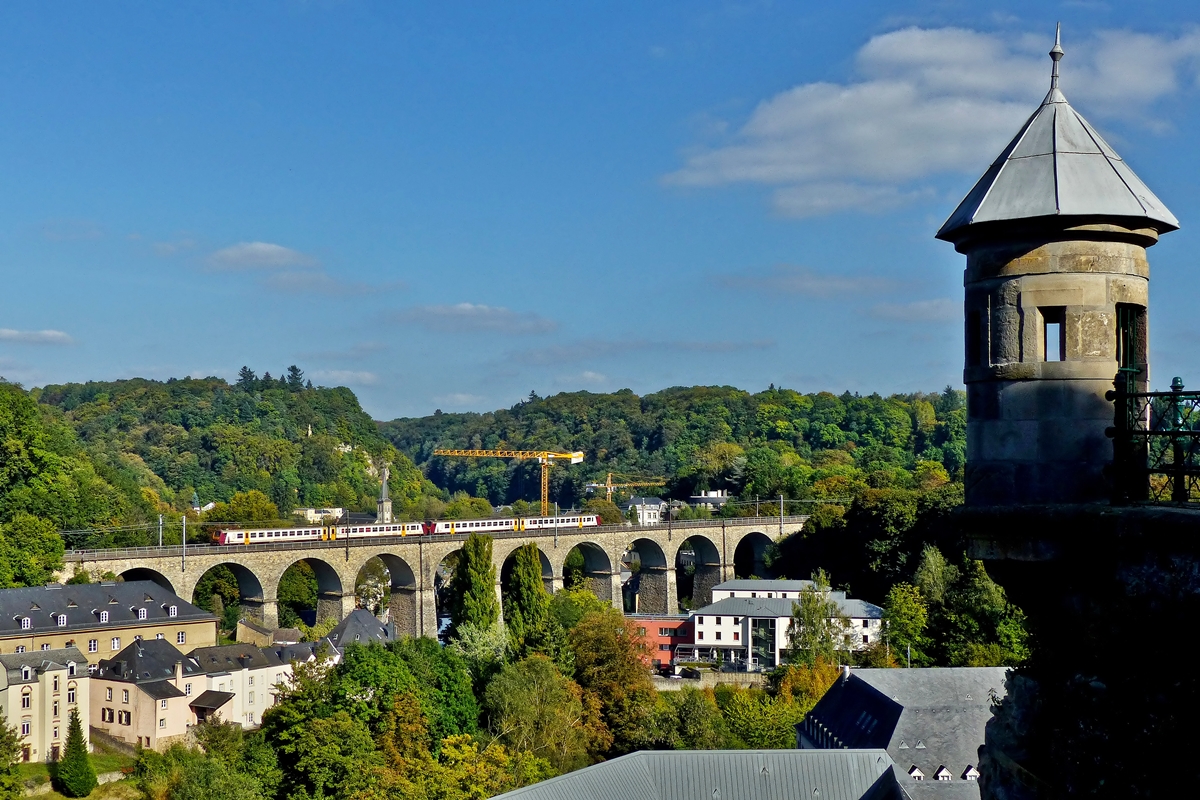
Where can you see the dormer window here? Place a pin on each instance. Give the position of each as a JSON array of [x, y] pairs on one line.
[[104, 616], [915, 773], [71, 668], [26, 623], [141, 613], [173, 611], [25, 673], [943, 774], [62, 620], [971, 774]]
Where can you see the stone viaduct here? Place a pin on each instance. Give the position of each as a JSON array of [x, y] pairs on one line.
[[413, 563]]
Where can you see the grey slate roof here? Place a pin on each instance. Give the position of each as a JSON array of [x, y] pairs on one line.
[[211, 699], [1058, 166], [41, 661], [234, 657], [926, 717], [82, 604], [741, 585], [782, 607], [361, 626], [145, 662], [161, 690], [728, 775]]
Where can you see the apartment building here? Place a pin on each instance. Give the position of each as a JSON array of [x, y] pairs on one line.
[[100, 619], [37, 692]]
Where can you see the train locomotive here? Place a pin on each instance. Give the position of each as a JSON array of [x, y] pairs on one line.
[[336, 532]]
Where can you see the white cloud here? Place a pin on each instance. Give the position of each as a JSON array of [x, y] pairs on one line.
[[260, 255], [941, 309], [928, 102], [356, 377], [472, 317], [35, 337], [804, 281]]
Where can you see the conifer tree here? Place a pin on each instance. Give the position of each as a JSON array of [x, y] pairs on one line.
[[473, 588], [11, 786], [526, 602], [75, 776]]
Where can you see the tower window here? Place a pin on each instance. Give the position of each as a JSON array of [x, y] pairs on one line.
[[974, 339], [1054, 333], [1131, 336]]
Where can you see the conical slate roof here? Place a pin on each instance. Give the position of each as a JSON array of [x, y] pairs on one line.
[[1058, 165]]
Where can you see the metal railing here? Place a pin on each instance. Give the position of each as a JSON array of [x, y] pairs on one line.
[[1156, 445], [769, 524]]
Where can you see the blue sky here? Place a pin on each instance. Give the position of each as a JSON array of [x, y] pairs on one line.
[[448, 205]]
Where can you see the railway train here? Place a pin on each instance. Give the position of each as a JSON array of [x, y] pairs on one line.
[[328, 533]]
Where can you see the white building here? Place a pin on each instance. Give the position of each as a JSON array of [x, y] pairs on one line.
[[650, 510], [749, 622], [243, 677], [37, 692], [314, 515]]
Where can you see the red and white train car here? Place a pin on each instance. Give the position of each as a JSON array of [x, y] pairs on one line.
[[427, 528]]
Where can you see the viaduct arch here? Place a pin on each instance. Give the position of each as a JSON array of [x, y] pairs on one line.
[[413, 561]]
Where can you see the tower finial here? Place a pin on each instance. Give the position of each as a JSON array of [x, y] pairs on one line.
[[1056, 54]]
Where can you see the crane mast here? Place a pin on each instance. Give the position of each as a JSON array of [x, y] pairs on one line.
[[544, 457]]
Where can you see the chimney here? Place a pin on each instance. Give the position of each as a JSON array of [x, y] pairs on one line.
[[845, 673], [178, 669]]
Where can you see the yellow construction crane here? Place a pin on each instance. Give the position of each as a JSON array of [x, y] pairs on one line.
[[544, 457], [609, 487]]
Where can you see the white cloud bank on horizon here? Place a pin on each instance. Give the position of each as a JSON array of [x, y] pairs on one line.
[[930, 102], [35, 337]]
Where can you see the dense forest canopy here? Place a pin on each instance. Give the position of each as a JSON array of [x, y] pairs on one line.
[[99, 454], [706, 437]]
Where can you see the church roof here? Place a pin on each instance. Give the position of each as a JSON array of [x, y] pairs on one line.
[[1057, 165]]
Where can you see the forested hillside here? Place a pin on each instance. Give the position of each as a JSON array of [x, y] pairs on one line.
[[765, 444], [121, 452]]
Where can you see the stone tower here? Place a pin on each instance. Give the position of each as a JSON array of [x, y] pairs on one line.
[[1055, 234], [383, 507]]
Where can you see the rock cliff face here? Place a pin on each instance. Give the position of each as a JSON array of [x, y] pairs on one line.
[[1110, 698]]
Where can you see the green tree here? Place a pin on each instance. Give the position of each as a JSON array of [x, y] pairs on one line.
[[818, 624], [607, 510], [30, 551], [905, 617], [532, 708], [612, 666], [472, 590], [758, 720], [574, 569], [463, 506], [251, 506], [11, 786], [295, 378], [689, 719], [569, 606], [484, 651], [74, 775], [526, 601], [246, 379], [298, 589], [213, 779], [444, 686], [334, 757]]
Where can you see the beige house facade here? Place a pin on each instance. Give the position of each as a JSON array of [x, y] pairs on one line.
[[142, 695], [37, 692]]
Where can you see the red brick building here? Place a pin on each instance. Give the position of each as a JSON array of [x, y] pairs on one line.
[[663, 633]]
